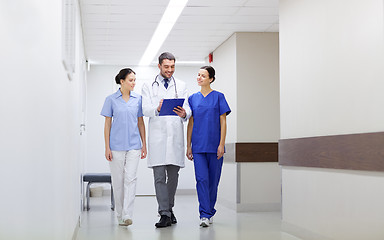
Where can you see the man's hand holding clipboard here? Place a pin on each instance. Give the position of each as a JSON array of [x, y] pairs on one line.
[[172, 107]]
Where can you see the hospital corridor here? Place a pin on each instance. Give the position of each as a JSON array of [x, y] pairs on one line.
[[192, 119], [100, 223]]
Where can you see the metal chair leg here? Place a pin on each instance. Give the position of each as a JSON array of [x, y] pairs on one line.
[[88, 195]]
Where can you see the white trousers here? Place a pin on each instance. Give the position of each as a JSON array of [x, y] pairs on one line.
[[123, 172]]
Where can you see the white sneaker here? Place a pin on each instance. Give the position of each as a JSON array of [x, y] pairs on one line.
[[211, 220], [204, 222], [125, 222]]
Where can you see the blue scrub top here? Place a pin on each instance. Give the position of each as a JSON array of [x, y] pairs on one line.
[[125, 133], [206, 112]]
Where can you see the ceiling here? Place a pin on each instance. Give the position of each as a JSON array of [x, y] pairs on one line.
[[117, 32]]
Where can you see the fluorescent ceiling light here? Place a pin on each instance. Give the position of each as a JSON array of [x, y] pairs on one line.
[[170, 16]]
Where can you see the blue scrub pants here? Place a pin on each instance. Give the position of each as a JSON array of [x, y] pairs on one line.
[[207, 173]]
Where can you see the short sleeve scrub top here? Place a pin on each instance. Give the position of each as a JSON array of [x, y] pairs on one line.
[[206, 112]]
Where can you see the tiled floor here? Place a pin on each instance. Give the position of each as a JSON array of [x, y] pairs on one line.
[[100, 223]]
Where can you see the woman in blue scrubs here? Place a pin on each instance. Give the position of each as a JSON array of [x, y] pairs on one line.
[[206, 133], [125, 144]]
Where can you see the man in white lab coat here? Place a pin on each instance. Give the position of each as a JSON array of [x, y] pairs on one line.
[[166, 151]]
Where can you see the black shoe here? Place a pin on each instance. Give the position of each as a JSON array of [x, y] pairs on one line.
[[164, 221], [173, 218]]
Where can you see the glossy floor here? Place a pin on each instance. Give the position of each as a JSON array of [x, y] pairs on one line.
[[100, 223]]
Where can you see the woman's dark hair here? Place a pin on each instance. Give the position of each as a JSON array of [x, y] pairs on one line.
[[123, 74], [166, 55], [211, 72]]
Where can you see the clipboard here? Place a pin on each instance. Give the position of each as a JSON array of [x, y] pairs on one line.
[[169, 105]]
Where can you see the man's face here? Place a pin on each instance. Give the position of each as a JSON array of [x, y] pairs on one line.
[[167, 68]]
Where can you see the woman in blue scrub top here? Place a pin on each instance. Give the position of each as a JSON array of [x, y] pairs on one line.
[[206, 133], [125, 143]]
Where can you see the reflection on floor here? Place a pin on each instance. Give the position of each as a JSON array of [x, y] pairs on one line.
[[100, 223]]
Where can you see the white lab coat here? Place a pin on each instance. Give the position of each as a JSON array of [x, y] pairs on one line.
[[165, 133]]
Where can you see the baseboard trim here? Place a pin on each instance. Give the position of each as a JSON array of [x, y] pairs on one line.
[[301, 233], [76, 231], [226, 203], [258, 207], [250, 207]]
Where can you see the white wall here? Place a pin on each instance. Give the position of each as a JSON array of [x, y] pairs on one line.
[[258, 87], [258, 116], [40, 108], [337, 204], [101, 83], [247, 68], [331, 65], [224, 62], [260, 187]]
